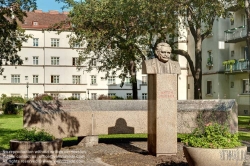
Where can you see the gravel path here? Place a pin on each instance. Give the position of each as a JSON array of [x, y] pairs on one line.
[[118, 154]]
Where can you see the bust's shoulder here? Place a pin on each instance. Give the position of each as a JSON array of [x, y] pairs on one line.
[[148, 66], [175, 62]]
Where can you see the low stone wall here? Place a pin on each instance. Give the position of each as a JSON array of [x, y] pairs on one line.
[[68, 118]]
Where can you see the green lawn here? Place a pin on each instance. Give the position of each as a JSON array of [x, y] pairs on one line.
[[243, 122], [9, 124]]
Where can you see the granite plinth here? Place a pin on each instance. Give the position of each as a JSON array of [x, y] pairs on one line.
[[162, 114]]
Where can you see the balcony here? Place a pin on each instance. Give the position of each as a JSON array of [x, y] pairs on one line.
[[233, 65], [236, 34]]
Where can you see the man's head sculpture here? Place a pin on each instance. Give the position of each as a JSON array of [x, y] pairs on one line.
[[163, 52]]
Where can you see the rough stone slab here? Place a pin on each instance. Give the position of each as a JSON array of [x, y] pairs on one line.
[[76, 118]]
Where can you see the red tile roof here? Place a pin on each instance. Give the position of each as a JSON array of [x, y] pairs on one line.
[[41, 20]]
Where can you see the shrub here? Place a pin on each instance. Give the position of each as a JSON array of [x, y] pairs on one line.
[[3, 96], [130, 98], [43, 97], [213, 135], [104, 97], [33, 135], [9, 106], [72, 98], [116, 98]]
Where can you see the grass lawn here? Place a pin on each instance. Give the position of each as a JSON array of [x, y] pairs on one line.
[[243, 122], [9, 124]]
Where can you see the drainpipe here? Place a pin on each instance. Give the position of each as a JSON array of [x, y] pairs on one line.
[[44, 61]]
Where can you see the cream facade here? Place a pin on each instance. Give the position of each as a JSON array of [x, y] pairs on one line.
[[227, 77], [49, 66]]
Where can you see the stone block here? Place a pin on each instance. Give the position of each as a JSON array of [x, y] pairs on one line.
[[88, 141]]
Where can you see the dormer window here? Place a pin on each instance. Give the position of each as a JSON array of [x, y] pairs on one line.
[[35, 23]]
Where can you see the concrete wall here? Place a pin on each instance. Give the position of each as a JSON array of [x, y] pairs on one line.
[[81, 118]]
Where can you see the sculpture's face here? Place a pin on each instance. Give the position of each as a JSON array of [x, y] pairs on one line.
[[164, 54]]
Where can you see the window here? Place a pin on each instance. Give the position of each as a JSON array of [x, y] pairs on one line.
[[35, 95], [127, 81], [74, 61], [76, 95], [76, 79], [55, 95], [54, 42], [35, 23], [26, 77], [35, 42], [232, 84], [93, 62], [111, 94], [93, 96], [129, 95], [54, 60], [15, 95], [243, 17], [244, 52], [144, 79], [35, 78], [232, 53], [55, 79], [93, 79], [15, 78], [35, 60], [209, 87], [111, 80], [76, 45], [144, 96], [246, 86]]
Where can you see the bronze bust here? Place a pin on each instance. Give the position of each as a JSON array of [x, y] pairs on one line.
[[162, 64]]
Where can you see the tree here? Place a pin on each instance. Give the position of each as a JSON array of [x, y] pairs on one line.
[[246, 5], [132, 28], [11, 35], [198, 17], [120, 33]]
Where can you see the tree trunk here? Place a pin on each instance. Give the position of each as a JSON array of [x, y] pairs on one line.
[[198, 66], [134, 88], [133, 80], [247, 2]]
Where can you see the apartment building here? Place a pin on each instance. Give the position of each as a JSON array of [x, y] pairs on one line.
[[49, 66], [226, 62]]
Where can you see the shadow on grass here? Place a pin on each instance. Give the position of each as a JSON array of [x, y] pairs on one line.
[[11, 116], [72, 142], [6, 136]]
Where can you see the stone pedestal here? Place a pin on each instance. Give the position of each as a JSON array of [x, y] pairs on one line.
[[88, 141], [162, 114]]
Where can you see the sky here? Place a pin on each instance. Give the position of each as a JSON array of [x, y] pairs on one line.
[[46, 5]]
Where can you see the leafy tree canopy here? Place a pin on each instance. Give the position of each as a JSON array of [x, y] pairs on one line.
[[11, 35], [124, 31], [120, 32]]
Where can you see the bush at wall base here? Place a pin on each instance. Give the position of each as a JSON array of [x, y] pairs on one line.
[[214, 145], [30, 151]]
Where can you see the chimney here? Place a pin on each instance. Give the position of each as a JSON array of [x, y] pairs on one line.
[[38, 11], [65, 12], [53, 12]]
